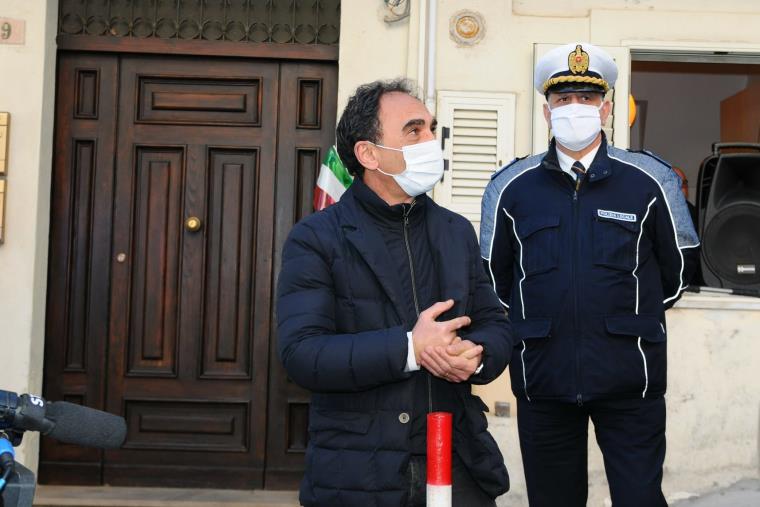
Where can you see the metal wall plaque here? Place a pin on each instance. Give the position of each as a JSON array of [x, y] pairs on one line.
[[2, 211], [467, 28], [5, 125], [12, 31]]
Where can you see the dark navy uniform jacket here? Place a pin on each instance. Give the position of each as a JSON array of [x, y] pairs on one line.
[[587, 275]]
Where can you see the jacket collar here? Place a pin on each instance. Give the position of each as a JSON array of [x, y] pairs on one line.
[[384, 214], [600, 169]]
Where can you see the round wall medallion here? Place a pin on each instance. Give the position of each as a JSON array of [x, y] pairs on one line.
[[467, 28]]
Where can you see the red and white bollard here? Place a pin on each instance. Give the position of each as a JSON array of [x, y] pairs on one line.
[[439, 459]]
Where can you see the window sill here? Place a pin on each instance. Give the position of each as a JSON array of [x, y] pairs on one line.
[[704, 301]]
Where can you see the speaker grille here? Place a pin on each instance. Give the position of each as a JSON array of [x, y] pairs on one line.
[[731, 244]]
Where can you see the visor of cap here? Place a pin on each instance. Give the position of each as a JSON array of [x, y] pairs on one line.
[[573, 86], [577, 83]]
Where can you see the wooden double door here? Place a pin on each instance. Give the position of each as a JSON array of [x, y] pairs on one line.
[[175, 182]]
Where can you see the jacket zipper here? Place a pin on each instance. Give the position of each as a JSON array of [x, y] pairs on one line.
[[579, 396], [407, 211]]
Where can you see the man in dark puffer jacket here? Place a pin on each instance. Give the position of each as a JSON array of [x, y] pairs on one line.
[[385, 314]]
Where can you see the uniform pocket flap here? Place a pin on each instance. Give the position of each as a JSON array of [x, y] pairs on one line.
[[526, 226], [352, 422], [648, 327], [625, 224], [532, 328]]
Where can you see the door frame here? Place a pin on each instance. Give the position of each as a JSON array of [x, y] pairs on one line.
[[285, 53]]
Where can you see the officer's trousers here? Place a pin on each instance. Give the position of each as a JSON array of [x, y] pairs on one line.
[[554, 445]]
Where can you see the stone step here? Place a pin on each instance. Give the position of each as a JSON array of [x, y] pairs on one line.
[[109, 496]]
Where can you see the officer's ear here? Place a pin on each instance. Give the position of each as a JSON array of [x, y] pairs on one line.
[[606, 110], [548, 113]]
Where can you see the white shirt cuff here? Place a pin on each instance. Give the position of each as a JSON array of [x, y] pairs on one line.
[[478, 369], [411, 362]]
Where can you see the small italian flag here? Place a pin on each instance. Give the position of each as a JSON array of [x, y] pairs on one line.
[[332, 182]]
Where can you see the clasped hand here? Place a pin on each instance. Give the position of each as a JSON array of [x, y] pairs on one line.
[[439, 349]]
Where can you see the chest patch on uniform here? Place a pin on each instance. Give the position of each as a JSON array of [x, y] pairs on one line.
[[616, 215]]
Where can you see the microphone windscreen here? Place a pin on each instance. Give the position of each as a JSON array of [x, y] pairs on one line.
[[78, 425]]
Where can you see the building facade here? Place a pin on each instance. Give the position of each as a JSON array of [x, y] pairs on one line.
[[112, 297]]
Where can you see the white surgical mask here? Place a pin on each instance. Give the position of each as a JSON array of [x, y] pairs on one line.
[[424, 167], [575, 126]]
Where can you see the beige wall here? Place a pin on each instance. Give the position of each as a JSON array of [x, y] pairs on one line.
[[714, 392], [26, 91], [503, 60]]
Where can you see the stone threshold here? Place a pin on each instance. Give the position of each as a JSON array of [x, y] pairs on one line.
[[110, 496]]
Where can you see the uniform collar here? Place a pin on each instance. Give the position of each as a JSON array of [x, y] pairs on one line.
[[566, 161], [599, 169]]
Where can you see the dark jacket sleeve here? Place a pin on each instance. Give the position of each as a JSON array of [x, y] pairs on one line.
[[315, 356], [490, 326]]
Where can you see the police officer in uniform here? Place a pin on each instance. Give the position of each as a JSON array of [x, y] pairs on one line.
[[587, 246]]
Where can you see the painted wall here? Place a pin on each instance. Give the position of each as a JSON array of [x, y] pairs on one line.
[[27, 92], [714, 395]]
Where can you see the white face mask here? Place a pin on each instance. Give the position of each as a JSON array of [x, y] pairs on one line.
[[424, 167], [575, 126]]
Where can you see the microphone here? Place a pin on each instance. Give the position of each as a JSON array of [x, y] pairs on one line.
[[67, 422], [7, 455]]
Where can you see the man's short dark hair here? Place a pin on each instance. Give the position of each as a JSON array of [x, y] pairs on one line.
[[360, 122]]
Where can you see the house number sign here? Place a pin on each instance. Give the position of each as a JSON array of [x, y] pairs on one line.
[[12, 31]]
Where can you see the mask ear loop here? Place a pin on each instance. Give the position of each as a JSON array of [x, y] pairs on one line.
[[388, 148], [385, 147], [390, 175]]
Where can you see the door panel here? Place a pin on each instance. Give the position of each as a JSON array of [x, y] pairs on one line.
[[306, 130], [231, 248], [157, 183], [80, 252], [197, 324]]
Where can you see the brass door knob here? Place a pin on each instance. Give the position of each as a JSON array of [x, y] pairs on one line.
[[193, 224]]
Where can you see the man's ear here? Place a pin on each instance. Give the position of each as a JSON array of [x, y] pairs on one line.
[[366, 155], [606, 111], [548, 115]]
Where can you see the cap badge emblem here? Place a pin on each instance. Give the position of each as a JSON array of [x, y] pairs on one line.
[[577, 61]]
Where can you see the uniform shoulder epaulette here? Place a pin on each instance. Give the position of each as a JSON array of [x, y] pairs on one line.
[[516, 160], [653, 155]]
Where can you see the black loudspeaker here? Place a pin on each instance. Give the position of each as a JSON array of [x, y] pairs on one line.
[[728, 199]]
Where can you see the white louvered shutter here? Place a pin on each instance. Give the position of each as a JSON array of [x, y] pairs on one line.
[[481, 139]]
